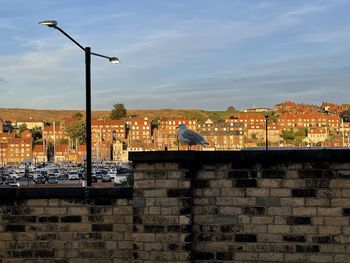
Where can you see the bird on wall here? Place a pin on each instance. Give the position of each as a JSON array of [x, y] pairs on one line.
[[190, 137]]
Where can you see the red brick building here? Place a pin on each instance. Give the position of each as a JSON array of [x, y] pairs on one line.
[[39, 153], [289, 121], [103, 134], [54, 133], [139, 132], [247, 119], [222, 136], [166, 134]]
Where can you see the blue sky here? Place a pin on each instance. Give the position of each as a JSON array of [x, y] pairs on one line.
[[206, 54]]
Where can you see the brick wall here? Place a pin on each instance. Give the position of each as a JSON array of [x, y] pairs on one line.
[[62, 225], [247, 206], [276, 206]]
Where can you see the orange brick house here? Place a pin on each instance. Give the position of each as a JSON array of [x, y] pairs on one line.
[[139, 132], [103, 134], [166, 134], [289, 121]]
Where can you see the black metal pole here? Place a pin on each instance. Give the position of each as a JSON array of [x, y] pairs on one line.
[[267, 140], [88, 114]]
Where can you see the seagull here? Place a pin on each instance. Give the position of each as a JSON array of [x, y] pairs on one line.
[[190, 137]]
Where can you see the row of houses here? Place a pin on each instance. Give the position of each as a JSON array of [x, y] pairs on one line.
[[113, 139]]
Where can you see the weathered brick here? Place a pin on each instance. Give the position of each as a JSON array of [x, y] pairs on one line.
[[336, 221], [144, 184], [257, 192], [279, 210], [271, 257], [310, 173], [340, 202], [321, 258], [296, 201], [304, 229], [329, 230], [48, 219], [293, 183], [307, 248], [273, 174], [55, 210], [279, 229], [304, 211], [254, 210], [203, 256], [329, 211], [298, 220], [339, 183], [245, 183], [71, 219], [167, 183], [201, 183], [294, 238], [15, 228], [37, 202], [280, 192], [245, 238], [323, 239], [304, 193], [270, 183], [265, 220], [244, 201], [268, 201]]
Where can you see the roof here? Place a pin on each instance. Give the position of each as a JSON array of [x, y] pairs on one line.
[[107, 122]]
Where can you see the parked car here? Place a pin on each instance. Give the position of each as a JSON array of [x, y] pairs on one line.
[[98, 174], [11, 182], [93, 178], [15, 175], [119, 179], [73, 176], [106, 178], [40, 179], [52, 179]]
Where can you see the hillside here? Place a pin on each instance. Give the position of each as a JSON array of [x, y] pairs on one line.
[[58, 115]]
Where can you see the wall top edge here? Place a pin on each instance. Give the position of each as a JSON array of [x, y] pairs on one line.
[[331, 155]]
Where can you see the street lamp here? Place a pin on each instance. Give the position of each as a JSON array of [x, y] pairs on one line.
[[88, 53], [266, 135]]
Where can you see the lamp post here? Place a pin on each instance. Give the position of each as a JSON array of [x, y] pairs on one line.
[[266, 135], [88, 53]]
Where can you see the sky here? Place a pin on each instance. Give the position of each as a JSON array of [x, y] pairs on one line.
[[178, 54]]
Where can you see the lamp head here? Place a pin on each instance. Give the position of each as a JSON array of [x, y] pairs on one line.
[[49, 23], [114, 60]]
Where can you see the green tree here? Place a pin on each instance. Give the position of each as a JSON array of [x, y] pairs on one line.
[[231, 109], [76, 131], [118, 112], [63, 141], [345, 115], [37, 134], [78, 116], [288, 135], [22, 128]]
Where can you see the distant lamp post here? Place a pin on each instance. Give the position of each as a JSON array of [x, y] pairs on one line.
[[88, 53], [266, 135]]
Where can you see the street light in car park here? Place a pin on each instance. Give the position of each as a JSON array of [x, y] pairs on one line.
[[266, 132], [88, 53]]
